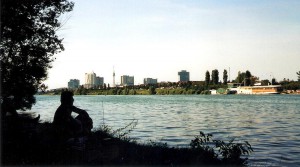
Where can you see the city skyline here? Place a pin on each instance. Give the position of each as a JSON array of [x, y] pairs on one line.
[[157, 38], [183, 75]]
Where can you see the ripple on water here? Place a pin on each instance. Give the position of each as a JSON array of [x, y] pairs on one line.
[[269, 123]]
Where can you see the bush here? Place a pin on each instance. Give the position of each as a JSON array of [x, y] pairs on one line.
[[230, 152]]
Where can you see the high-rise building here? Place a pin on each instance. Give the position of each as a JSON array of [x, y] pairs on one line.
[[73, 84], [90, 80], [148, 81], [183, 75], [99, 82], [127, 80], [93, 81]]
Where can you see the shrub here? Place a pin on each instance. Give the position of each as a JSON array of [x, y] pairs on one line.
[[230, 152]]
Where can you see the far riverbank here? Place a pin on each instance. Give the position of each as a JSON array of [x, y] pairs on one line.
[[157, 91]]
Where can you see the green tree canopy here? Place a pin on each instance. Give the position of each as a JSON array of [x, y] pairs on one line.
[[215, 76], [152, 90], [248, 78], [28, 43], [207, 78], [244, 77], [240, 77], [225, 77]]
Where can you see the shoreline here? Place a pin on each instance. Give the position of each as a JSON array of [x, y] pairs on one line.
[[38, 146]]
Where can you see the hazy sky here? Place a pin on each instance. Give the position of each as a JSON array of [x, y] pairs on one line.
[[158, 38]]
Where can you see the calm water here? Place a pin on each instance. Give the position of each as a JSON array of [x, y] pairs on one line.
[[271, 124]]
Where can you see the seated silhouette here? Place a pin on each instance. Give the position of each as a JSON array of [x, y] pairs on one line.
[[65, 125]]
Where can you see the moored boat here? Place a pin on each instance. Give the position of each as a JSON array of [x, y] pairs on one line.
[[269, 89]]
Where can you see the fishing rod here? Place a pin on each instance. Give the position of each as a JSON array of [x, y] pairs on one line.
[[102, 114]]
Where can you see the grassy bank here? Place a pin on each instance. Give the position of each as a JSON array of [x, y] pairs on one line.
[[29, 143]]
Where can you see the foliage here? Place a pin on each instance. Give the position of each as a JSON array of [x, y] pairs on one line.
[[244, 77], [207, 78], [121, 133], [28, 43], [240, 77], [292, 85], [265, 82], [248, 78], [152, 90], [215, 76], [230, 152], [202, 142], [152, 143], [225, 77], [206, 92]]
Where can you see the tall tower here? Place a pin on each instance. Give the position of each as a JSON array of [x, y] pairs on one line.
[[114, 75]]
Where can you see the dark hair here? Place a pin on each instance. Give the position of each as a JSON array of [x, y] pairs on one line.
[[66, 97]]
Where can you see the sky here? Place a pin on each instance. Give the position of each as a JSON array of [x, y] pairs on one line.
[[159, 38]]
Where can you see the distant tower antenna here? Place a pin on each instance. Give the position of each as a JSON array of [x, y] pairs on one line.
[[114, 75]]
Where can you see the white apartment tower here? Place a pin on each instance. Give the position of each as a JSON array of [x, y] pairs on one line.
[[90, 80]]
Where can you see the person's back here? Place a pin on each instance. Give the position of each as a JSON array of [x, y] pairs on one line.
[[65, 125]]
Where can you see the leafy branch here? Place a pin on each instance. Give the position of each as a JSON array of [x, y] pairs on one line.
[[231, 152]]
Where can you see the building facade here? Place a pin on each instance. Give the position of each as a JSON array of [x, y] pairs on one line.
[[183, 75], [149, 81], [93, 81], [90, 80], [99, 82], [73, 84], [127, 80]]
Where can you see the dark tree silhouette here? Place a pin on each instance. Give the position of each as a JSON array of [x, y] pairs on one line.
[[225, 77], [207, 78], [28, 43], [298, 73], [215, 76], [248, 78], [244, 78]]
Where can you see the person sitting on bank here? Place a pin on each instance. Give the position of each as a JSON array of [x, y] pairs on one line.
[[65, 125]]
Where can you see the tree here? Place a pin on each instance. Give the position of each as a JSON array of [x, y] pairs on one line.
[[248, 78], [245, 78], [215, 76], [225, 77], [207, 78], [43, 88], [265, 82], [28, 44], [274, 82], [298, 73], [240, 77], [152, 90]]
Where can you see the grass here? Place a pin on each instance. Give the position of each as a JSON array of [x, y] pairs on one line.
[[28, 143]]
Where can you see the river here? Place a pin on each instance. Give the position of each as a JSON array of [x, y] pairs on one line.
[[270, 123]]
